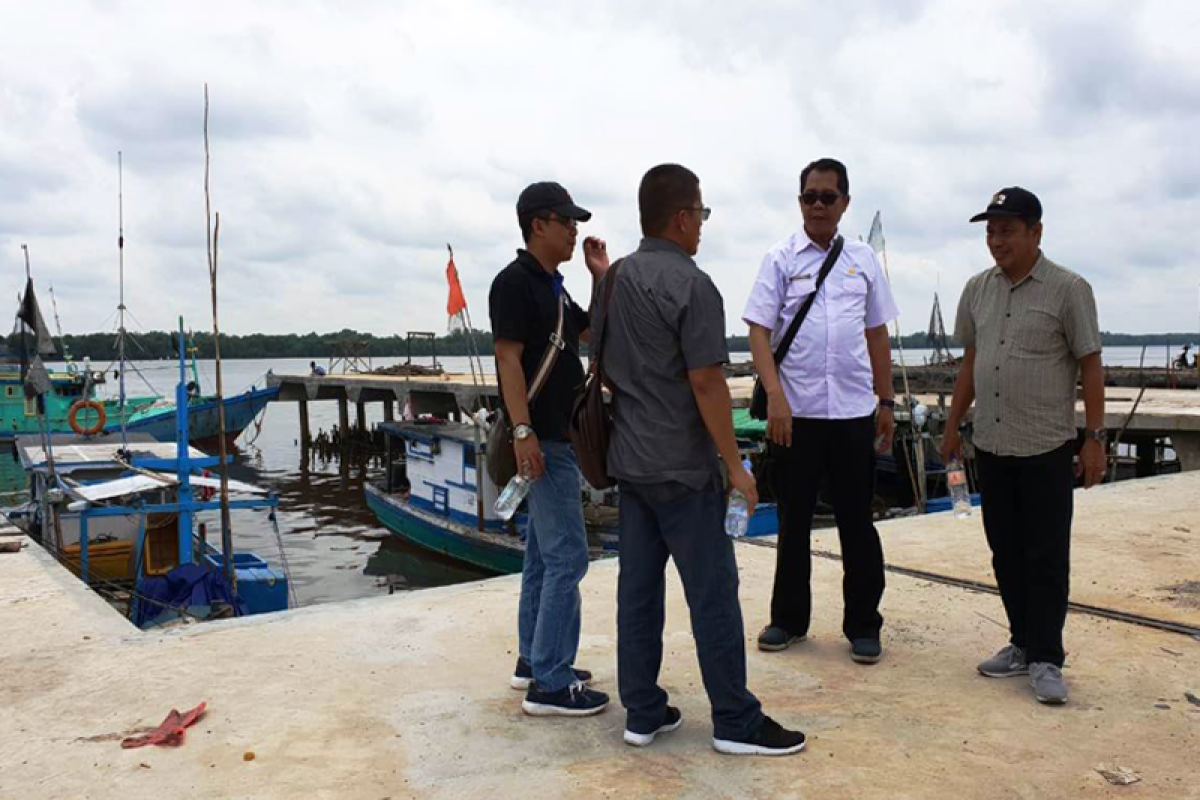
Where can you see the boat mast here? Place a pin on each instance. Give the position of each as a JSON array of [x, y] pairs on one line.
[[121, 304]]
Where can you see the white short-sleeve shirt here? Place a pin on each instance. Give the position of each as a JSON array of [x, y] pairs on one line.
[[826, 373]]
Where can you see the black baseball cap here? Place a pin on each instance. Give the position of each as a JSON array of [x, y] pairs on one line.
[[550, 196], [1012, 202]]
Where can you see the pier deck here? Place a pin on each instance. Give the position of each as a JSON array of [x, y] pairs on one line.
[[407, 696]]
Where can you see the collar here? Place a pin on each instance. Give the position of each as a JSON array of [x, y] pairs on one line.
[[652, 244], [802, 242], [530, 262], [1038, 273]]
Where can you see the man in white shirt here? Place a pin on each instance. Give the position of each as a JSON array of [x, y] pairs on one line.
[[821, 408]]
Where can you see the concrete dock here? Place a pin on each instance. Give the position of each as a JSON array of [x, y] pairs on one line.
[[407, 695]]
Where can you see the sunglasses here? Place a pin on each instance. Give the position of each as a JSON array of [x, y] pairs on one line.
[[826, 198], [705, 211]]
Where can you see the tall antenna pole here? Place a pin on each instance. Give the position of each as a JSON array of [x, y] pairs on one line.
[[121, 303]]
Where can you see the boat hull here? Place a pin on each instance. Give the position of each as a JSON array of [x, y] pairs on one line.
[[492, 552], [203, 419]]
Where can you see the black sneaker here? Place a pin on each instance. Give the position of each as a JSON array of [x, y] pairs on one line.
[[771, 740], [775, 638], [576, 700], [523, 675], [672, 719], [866, 651]]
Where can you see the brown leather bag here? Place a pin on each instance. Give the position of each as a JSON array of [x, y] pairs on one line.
[[499, 456], [591, 419]]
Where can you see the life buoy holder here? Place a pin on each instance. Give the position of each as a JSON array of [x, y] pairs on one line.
[[80, 405]]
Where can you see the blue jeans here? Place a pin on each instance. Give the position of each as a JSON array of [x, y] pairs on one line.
[[556, 559], [670, 521]]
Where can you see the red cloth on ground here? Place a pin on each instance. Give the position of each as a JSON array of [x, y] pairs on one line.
[[170, 733]]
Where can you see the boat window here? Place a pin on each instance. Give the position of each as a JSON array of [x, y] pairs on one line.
[[31, 406], [10, 391], [469, 457]]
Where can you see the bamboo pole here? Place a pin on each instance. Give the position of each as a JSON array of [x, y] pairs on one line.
[[214, 231]]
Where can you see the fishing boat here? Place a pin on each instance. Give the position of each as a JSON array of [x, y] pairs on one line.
[[435, 496], [121, 511]]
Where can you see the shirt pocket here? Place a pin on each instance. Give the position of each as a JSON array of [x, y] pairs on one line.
[[1040, 334], [852, 296], [798, 291]]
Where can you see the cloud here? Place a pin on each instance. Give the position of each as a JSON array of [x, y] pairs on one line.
[[349, 148]]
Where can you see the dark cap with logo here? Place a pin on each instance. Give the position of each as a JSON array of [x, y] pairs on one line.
[[1012, 202], [550, 196]]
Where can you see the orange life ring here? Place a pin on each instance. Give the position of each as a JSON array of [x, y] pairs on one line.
[[73, 417]]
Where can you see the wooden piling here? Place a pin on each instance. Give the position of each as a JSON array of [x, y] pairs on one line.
[[389, 411], [305, 436], [361, 415], [343, 417]]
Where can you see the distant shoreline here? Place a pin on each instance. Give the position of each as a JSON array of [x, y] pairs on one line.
[[159, 344]]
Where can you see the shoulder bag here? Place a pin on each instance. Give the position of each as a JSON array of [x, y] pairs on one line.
[[591, 419], [500, 458]]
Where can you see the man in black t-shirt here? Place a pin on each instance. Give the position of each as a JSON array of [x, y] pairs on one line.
[[524, 302]]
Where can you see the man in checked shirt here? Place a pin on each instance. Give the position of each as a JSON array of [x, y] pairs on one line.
[[1028, 329]]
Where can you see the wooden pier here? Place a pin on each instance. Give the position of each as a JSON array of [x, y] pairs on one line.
[[1161, 414]]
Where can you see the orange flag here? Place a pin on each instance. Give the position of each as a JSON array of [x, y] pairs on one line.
[[457, 302]]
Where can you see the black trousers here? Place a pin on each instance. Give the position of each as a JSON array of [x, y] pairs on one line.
[[843, 452], [1027, 509], [670, 521]]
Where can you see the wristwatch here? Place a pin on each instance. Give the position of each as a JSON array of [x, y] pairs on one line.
[[1099, 434], [887, 402], [522, 432]]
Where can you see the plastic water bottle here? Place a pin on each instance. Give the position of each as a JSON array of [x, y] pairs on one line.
[[737, 514], [919, 414], [510, 499], [959, 494]]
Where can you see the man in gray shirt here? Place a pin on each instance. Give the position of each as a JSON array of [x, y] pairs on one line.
[[1028, 329], [663, 344]]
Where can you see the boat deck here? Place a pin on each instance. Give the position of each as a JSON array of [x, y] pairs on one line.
[[407, 695]]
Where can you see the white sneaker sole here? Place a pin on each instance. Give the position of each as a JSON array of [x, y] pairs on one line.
[[645, 739], [731, 748], [544, 710], [523, 684]]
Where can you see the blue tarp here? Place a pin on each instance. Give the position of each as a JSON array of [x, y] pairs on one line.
[[188, 585]]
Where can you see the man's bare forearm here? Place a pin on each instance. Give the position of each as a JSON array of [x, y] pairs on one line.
[[964, 389], [879, 348], [764, 359], [1091, 374], [716, 409], [512, 382]]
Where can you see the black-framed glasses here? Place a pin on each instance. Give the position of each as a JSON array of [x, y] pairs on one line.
[[705, 211], [826, 198], [569, 224]]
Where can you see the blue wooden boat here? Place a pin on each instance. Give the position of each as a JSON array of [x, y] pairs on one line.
[[240, 412]]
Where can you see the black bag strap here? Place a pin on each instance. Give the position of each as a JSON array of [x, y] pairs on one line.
[[785, 344], [553, 348], [609, 282]]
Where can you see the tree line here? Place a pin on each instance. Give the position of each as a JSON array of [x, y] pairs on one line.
[[101, 347]]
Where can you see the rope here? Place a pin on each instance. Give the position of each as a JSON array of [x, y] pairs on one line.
[[287, 571]]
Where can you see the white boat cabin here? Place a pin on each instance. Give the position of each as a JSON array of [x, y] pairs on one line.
[[444, 472]]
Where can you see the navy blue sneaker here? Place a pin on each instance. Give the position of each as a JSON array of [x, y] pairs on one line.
[[523, 675], [866, 651], [576, 700], [672, 719]]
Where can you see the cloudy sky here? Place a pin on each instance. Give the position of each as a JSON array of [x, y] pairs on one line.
[[352, 141]]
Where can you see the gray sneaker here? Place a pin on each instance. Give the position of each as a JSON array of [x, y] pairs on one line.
[[1008, 662], [1047, 682]]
